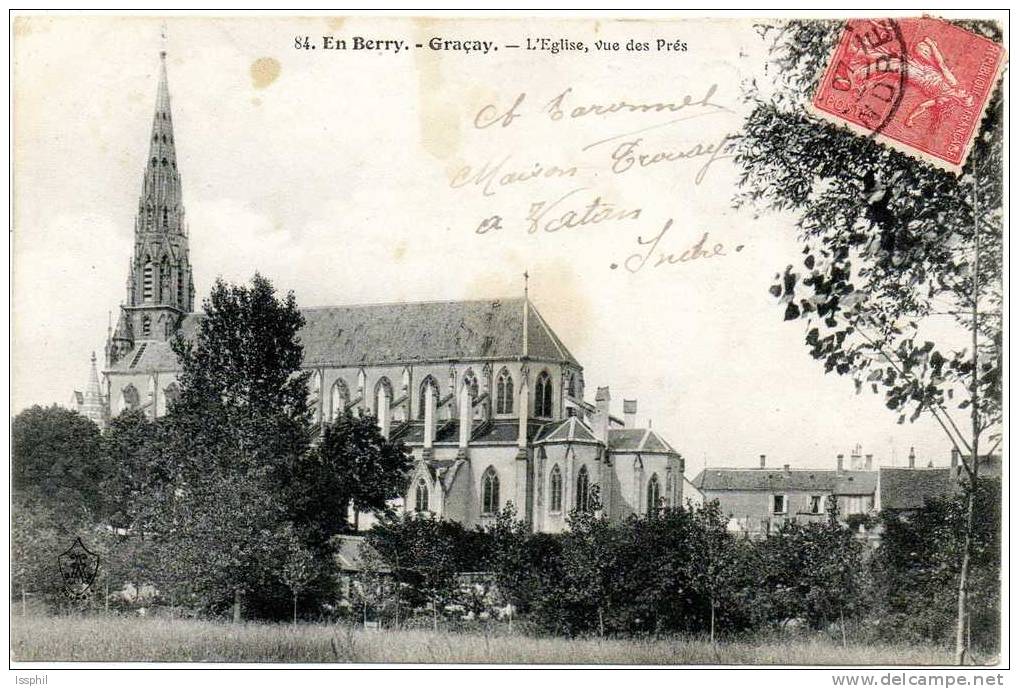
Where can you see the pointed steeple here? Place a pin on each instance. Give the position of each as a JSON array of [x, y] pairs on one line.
[[92, 405], [160, 287], [160, 208]]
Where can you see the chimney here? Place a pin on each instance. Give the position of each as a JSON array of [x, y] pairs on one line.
[[855, 462], [838, 463], [762, 460], [630, 413], [601, 400], [868, 462], [912, 458], [785, 468]]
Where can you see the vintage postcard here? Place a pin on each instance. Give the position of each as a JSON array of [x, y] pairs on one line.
[[509, 340]]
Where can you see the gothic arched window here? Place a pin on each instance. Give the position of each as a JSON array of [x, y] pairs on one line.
[[164, 276], [421, 496], [180, 287], [583, 490], [654, 495], [504, 393], [490, 492], [571, 385], [470, 381], [383, 393], [428, 387], [129, 398], [171, 393], [338, 398], [543, 396], [555, 490], [148, 281]]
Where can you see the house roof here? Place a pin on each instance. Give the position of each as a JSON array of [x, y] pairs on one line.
[[377, 334], [906, 489], [498, 431], [638, 440], [770, 479], [569, 431], [348, 553]]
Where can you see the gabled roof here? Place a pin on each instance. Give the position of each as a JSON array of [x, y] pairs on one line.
[[768, 479], [377, 334], [638, 440], [348, 553], [906, 489], [572, 430]]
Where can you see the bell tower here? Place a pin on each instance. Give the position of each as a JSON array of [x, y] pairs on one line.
[[160, 289]]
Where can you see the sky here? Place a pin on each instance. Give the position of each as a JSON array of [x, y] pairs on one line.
[[349, 176]]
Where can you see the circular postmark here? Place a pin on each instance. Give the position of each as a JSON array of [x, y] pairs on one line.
[[865, 81]]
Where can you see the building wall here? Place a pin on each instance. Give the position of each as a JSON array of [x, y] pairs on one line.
[[855, 504], [524, 479], [758, 504], [632, 472], [449, 378], [570, 458]]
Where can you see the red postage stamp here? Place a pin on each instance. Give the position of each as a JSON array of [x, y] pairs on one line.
[[920, 85]]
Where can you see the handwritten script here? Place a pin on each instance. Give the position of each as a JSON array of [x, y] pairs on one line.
[[651, 137]]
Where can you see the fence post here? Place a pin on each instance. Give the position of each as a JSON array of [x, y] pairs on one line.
[[237, 606], [24, 603]]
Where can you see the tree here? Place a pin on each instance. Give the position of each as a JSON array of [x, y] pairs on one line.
[[522, 562], [363, 469], [298, 568], [234, 440], [813, 572], [721, 568], [590, 569], [899, 285], [56, 460], [136, 469], [37, 539], [918, 561], [425, 554]]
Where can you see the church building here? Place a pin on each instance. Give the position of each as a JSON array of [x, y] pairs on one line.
[[483, 392]]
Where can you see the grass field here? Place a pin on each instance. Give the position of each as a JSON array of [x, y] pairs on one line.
[[38, 638]]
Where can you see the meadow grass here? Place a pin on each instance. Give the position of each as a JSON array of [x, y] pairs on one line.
[[102, 639]]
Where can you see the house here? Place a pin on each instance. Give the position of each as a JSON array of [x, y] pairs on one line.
[[760, 499]]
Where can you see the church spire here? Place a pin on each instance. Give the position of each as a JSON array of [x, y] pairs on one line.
[[160, 209], [160, 289], [92, 403]]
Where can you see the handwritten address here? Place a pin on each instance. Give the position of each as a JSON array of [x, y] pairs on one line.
[[581, 205]]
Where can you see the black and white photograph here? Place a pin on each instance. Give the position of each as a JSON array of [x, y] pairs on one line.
[[519, 339]]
